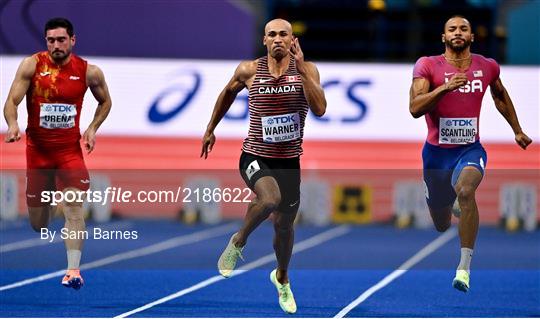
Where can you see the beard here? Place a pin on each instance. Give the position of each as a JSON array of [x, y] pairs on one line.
[[278, 54], [458, 47], [60, 56]]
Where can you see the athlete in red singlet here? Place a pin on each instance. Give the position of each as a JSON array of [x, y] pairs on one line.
[[54, 82], [448, 89], [282, 88]]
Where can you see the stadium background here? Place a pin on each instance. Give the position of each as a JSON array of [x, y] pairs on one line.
[[166, 61]]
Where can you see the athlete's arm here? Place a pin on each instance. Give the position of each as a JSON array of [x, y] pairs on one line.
[[243, 74], [310, 77], [18, 90], [422, 101], [506, 108], [96, 82]]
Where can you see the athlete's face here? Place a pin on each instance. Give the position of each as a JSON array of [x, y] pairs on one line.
[[59, 44], [278, 38], [457, 34]]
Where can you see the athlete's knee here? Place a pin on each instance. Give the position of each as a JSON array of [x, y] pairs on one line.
[[39, 217], [74, 213], [37, 225], [465, 193], [442, 218], [442, 227], [270, 202]]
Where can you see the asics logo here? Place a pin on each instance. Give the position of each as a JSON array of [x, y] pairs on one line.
[[85, 181], [44, 73]]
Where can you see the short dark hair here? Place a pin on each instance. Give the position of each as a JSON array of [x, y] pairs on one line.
[[55, 23], [457, 16]]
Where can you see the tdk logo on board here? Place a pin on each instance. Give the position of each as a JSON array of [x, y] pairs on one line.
[[459, 123]]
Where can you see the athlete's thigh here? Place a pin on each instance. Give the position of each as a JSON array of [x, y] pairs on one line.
[[475, 160], [40, 177], [288, 177], [437, 173], [72, 173], [252, 168]]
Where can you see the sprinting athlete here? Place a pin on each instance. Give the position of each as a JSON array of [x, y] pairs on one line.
[[282, 88], [54, 82], [448, 89]]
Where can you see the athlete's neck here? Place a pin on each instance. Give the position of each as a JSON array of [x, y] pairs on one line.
[[458, 59], [278, 67], [61, 62]]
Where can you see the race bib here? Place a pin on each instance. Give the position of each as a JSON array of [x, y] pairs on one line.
[[56, 115], [281, 128], [458, 130]]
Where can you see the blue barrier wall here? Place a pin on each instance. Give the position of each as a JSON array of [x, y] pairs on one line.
[[157, 28]]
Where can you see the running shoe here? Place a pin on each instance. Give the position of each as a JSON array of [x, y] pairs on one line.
[[228, 259], [461, 281], [73, 279], [286, 297]]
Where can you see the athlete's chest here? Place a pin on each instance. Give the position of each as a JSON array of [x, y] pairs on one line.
[[478, 79], [269, 90], [59, 84]]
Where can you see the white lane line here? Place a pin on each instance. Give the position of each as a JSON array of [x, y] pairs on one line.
[[34, 242], [144, 251], [301, 246], [423, 253]]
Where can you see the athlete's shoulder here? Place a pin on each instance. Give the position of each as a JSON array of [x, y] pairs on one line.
[[431, 60], [485, 60], [78, 58], [94, 75], [489, 65], [28, 65], [246, 69], [424, 66]]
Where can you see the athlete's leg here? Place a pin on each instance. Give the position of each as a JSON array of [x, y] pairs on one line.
[[39, 212], [40, 217], [74, 224], [283, 243], [439, 196], [466, 186], [441, 217], [466, 179], [267, 200]]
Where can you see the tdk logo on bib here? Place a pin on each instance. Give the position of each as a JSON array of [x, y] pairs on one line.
[[281, 128], [457, 130], [62, 108], [459, 122], [282, 119]]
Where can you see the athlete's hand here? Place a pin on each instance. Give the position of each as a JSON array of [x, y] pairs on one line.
[[298, 56], [456, 81], [207, 143], [523, 140], [89, 140], [13, 134]]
